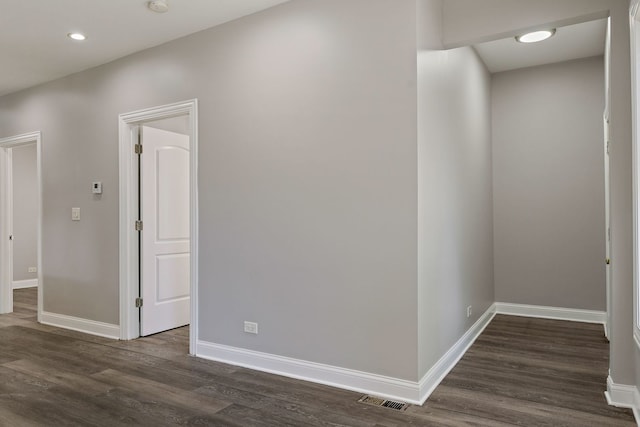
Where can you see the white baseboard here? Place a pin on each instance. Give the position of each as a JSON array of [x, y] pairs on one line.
[[623, 396], [436, 374], [387, 387], [22, 284], [349, 379], [86, 326], [558, 313]]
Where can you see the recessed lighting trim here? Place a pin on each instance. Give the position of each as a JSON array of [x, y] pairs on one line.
[[77, 36], [159, 6], [536, 36]]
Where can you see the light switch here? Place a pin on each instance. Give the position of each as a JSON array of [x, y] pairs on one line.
[[75, 214]]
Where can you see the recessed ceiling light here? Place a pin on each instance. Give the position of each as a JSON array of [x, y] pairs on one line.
[[536, 36], [77, 36], [160, 6]]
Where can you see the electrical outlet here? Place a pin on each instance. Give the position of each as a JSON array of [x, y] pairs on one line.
[[251, 327], [32, 270], [469, 311]]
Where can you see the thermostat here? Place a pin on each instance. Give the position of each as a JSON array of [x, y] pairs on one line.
[[96, 188]]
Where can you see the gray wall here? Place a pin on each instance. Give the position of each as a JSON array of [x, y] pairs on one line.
[[455, 198], [473, 21], [178, 124], [307, 171], [25, 212], [549, 185]]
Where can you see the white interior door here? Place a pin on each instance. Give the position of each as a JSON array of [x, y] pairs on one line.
[[164, 206]]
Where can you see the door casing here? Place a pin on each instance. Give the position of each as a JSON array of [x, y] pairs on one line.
[[6, 217], [129, 199]]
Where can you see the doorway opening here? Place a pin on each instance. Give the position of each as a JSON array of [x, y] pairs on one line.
[[158, 220], [21, 221], [550, 169]]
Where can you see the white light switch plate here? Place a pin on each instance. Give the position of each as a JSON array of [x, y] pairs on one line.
[[75, 214]]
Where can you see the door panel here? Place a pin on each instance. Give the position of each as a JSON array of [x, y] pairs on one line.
[[172, 223], [171, 271], [164, 205]]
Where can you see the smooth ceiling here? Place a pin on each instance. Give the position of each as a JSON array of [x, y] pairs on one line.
[[571, 42], [34, 46]]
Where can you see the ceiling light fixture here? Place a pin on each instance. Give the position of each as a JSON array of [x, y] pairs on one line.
[[160, 6], [77, 36], [536, 36]]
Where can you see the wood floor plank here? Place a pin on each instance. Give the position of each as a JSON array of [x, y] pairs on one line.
[[570, 394], [59, 377], [304, 413], [157, 390], [257, 418], [514, 411]]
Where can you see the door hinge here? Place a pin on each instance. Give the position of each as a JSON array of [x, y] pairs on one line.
[[138, 225], [138, 302], [137, 148]]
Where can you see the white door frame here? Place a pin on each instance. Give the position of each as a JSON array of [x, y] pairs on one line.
[[6, 217], [129, 255], [607, 179], [634, 17]]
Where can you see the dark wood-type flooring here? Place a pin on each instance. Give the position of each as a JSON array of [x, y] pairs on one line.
[[520, 371]]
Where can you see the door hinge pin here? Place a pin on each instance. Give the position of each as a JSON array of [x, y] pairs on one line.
[[138, 225], [138, 148], [138, 302]]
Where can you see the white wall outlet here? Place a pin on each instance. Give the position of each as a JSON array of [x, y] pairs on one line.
[[96, 187], [32, 270], [75, 214], [469, 311], [251, 327]]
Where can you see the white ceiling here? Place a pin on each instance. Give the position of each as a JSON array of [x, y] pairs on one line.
[[570, 42], [34, 46]]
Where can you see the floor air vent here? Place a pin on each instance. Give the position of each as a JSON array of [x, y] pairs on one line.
[[377, 401]]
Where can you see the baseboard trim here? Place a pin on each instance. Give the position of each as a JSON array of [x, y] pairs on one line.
[[391, 388], [86, 326], [436, 374], [558, 313], [349, 379], [623, 396], [23, 284]]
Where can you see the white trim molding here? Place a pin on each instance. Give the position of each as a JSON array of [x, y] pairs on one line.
[[6, 273], [635, 128], [436, 374], [623, 396], [86, 326], [23, 284], [557, 313], [348, 379], [129, 260]]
